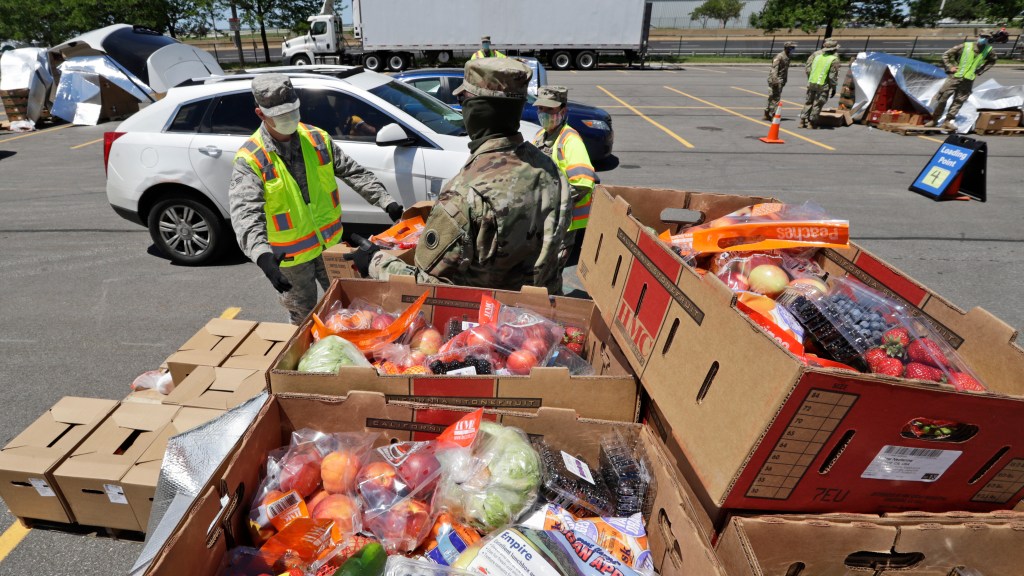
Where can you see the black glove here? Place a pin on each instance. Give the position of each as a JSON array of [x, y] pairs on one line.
[[271, 267], [364, 252], [833, 93], [394, 211]]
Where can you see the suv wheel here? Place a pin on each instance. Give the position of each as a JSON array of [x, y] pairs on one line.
[[187, 231]]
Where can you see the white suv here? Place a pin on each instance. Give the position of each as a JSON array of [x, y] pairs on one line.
[[168, 166]]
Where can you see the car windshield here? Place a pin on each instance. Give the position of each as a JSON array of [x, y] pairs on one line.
[[431, 112]]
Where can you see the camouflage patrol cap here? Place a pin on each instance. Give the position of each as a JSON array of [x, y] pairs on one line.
[[274, 94], [829, 44], [486, 39], [986, 33], [789, 45], [504, 77], [552, 96]]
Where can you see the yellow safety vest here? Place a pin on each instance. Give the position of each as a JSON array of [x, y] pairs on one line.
[[570, 154], [298, 232], [494, 54], [969, 61], [820, 67]]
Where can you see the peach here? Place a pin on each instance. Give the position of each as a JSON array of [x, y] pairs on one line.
[[338, 471], [343, 510], [302, 474], [316, 498], [271, 496]]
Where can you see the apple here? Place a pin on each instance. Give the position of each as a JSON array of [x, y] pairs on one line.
[[810, 283], [414, 358], [482, 335], [382, 321], [768, 279], [420, 471], [379, 484], [521, 361], [428, 341], [536, 346]]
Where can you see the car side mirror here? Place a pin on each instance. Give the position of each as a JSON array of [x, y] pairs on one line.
[[394, 135]]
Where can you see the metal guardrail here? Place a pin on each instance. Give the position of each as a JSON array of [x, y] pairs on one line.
[[849, 46]]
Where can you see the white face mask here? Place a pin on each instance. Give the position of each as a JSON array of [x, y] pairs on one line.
[[286, 123]]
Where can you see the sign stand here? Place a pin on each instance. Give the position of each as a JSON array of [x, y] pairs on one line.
[[955, 172]]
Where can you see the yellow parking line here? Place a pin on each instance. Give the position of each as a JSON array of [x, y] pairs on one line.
[[10, 539], [677, 137], [230, 313], [87, 143], [734, 113], [37, 133], [707, 69], [930, 139], [765, 96], [681, 107]]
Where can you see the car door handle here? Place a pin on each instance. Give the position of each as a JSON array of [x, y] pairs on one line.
[[210, 151]]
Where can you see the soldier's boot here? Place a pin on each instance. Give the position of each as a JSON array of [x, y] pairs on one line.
[[931, 124], [767, 114], [803, 123], [949, 125]]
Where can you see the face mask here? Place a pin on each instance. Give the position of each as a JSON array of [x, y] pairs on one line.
[[550, 121], [286, 123], [487, 47], [789, 51]]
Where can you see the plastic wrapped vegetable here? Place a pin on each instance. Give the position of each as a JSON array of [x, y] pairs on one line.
[[557, 551], [330, 354], [492, 483]]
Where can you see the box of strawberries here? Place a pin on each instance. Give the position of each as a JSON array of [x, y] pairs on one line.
[[459, 346], [795, 371]]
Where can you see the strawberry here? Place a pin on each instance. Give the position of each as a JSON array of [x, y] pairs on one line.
[[918, 371], [575, 348], [888, 367], [964, 381], [875, 355], [927, 352], [895, 342], [574, 335]]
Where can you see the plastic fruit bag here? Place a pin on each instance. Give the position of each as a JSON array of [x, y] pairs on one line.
[[303, 542], [557, 551], [405, 234], [623, 538], [448, 538], [330, 354], [400, 359], [491, 483], [570, 483], [155, 380], [357, 556], [768, 226], [369, 340]]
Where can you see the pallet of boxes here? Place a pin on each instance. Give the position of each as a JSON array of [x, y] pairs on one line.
[[96, 463], [999, 123]]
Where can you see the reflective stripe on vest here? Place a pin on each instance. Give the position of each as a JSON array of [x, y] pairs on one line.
[[494, 54], [298, 232], [969, 61], [580, 174], [820, 68]]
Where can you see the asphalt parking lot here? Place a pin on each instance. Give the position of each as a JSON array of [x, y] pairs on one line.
[[88, 304]]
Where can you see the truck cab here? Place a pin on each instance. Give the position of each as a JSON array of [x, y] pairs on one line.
[[323, 42]]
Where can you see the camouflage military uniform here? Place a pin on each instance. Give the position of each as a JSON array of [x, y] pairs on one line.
[[500, 222], [777, 78], [818, 94], [249, 221], [957, 88]]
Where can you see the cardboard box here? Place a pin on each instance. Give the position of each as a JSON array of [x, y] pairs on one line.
[[610, 395], [28, 461], [835, 117], [139, 483], [1013, 119], [260, 348], [759, 429], [678, 542], [334, 257], [988, 121], [914, 545], [211, 346], [217, 388], [91, 477]]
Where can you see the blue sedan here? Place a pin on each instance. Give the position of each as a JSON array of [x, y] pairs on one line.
[[593, 124]]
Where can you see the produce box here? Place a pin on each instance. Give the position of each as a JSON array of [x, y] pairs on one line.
[[27, 463], [835, 117], [217, 388], [988, 121], [90, 478], [676, 528], [759, 428], [15, 103], [211, 346], [910, 545], [260, 348], [139, 483], [334, 257], [610, 394]]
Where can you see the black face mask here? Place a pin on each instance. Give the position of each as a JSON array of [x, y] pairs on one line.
[[488, 117]]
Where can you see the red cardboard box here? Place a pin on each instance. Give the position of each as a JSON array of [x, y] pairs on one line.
[[760, 430], [612, 394], [676, 528]]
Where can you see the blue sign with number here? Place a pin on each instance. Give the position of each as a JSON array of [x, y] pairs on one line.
[[943, 169]]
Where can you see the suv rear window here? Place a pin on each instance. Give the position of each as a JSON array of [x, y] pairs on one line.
[[235, 114], [189, 117]]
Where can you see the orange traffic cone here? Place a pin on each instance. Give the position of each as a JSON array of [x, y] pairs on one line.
[[773, 132]]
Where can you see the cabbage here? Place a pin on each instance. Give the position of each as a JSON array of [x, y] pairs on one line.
[[330, 354]]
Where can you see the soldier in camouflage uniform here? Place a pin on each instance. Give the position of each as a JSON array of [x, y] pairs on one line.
[[777, 77], [822, 77], [963, 63], [500, 222], [273, 158]]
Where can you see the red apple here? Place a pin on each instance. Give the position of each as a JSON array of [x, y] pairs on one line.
[[382, 321], [428, 341], [768, 279], [419, 471]]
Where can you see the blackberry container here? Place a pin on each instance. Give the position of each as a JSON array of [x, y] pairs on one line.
[[627, 474], [568, 489]]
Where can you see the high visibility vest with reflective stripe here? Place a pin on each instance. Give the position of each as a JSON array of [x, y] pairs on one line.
[[969, 61], [494, 54], [578, 171], [820, 67], [298, 232]]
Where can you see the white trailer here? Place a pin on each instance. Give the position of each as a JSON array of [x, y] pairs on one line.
[[392, 34]]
